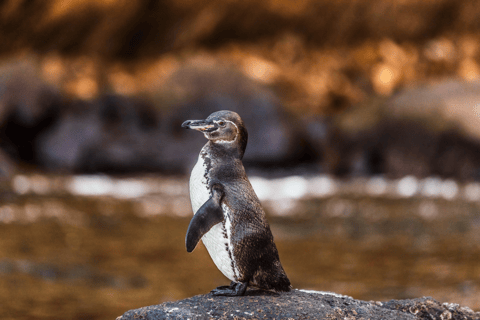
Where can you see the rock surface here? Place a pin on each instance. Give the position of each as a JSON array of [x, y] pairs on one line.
[[420, 131], [298, 304]]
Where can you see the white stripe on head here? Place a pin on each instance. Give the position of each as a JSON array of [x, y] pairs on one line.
[[227, 141]]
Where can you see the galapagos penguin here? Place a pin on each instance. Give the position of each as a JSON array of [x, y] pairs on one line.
[[228, 216]]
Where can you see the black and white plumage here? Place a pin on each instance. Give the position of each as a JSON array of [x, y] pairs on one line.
[[228, 215]]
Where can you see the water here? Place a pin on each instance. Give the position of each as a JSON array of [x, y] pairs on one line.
[[72, 252]]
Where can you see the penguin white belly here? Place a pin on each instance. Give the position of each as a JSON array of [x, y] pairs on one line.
[[217, 240], [199, 193]]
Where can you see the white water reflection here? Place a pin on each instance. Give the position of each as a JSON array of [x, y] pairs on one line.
[[291, 187], [157, 195], [100, 185], [407, 186]]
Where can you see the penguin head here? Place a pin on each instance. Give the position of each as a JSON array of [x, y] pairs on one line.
[[222, 128]]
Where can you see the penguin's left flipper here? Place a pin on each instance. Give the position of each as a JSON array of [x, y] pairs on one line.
[[209, 214], [233, 290]]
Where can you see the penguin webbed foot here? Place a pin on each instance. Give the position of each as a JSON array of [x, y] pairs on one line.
[[233, 290]]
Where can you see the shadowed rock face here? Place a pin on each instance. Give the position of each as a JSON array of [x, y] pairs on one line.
[[298, 304]]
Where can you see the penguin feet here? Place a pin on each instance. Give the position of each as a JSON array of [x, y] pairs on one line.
[[233, 290]]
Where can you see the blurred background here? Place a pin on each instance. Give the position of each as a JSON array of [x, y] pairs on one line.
[[364, 126]]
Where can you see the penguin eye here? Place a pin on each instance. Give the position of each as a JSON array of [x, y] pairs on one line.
[[221, 123]]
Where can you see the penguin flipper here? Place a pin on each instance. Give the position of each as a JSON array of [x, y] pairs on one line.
[[209, 214]]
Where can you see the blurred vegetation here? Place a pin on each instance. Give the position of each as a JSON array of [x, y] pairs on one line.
[[119, 29], [319, 56]]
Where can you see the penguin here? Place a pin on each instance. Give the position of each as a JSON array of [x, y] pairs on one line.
[[228, 216]]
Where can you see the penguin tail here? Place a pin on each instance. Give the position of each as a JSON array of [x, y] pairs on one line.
[[282, 284], [277, 281]]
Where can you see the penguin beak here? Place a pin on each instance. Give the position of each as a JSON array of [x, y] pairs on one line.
[[200, 125]]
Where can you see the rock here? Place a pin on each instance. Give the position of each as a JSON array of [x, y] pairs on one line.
[[7, 166], [446, 103], [428, 308], [409, 147], [202, 86], [395, 142], [110, 134], [298, 304], [119, 134], [28, 107]]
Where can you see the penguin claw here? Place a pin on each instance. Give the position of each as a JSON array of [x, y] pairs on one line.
[[233, 290], [221, 288]]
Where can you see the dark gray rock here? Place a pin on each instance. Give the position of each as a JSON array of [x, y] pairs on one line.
[[446, 103], [395, 147], [110, 134], [28, 107], [298, 304], [7, 166], [275, 137], [123, 134], [428, 308]]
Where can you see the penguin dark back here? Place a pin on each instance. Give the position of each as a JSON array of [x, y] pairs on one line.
[[228, 216]]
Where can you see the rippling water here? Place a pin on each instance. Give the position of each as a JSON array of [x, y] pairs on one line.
[[94, 247]]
